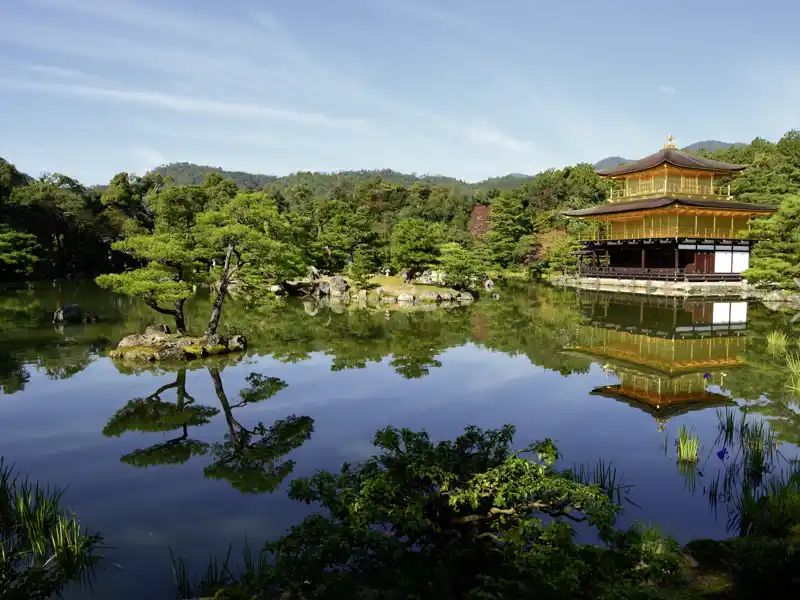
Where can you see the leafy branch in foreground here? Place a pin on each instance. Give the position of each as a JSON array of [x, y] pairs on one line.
[[467, 518], [42, 547]]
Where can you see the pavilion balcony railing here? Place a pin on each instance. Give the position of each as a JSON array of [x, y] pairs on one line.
[[659, 186], [656, 274], [638, 233]]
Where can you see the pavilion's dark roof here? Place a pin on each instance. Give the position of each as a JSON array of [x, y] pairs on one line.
[[678, 158], [649, 203], [692, 402]]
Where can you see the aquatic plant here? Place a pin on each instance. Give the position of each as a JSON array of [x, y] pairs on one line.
[[793, 367], [688, 445], [777, 343], [42, 547], [758, 485], [605, 476]]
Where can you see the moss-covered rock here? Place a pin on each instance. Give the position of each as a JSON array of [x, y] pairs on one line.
[[160, 346]]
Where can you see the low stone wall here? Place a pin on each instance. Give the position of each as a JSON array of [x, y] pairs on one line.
[[708, 289]]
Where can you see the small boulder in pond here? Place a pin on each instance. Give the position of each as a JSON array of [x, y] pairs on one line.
[[73, 313]]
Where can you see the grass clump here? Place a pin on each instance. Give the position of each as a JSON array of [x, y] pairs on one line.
[[777, 343], [43, 548], [688, 445]]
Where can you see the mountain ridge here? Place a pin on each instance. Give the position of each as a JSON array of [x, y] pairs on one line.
[[708, 145]]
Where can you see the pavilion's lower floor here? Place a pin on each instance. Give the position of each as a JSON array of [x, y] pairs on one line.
[[670, 260]]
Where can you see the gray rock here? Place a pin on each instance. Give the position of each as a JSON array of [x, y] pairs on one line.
[[311, 308], [388, 299], [405, 297], [321, 288], [446, 296], [345, 297], [437, 277], [338, 285], [429, 297], [465, 298], [69, 313], [379, 292], [157, 330], [312, 274], [489, 285], [495, 296], [237, 343], [276, 289], [362, 295], [424, 278]]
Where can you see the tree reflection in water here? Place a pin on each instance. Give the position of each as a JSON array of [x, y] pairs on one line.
[[250, 459]]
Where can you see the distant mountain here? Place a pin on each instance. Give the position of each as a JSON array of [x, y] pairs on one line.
[[610, 162], [184, 173], [320, 183], [709, 145], [712, 146]]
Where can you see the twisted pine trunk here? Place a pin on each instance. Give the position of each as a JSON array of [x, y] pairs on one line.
[[216, 309]]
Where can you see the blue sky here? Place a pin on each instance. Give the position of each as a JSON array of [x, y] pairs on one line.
[[468, 88]]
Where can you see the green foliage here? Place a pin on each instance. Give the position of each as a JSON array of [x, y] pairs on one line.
[[508, 224], [43, 548], [461, 267], [466, 518], [560, 259], [19, 254], [414, 245], [776, 257], [363, 267]]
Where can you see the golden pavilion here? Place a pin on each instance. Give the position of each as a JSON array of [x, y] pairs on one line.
[[669, 217]]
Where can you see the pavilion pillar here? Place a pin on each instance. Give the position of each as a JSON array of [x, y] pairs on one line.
[[643, 257]]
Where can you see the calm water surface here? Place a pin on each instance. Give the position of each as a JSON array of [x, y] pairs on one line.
[[194, 459]]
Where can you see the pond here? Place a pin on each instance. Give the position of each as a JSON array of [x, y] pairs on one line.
[[191, 460]]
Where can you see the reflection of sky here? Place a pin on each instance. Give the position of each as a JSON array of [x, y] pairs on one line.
[[52, 431]]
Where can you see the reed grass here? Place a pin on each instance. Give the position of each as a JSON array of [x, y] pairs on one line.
[[605, 476], [793, 367], [688, 445], [777, 343], [43, 548]]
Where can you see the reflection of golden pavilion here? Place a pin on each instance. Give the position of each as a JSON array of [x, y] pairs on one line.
[[665, 352]]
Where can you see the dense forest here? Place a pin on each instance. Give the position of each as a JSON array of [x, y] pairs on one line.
[[53, 226]]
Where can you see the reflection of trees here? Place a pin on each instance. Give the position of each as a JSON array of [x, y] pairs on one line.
[[13, 375], [762, 383], [152, 414], [249, 458]]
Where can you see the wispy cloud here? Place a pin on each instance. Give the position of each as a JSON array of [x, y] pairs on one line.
[[666, 89], [59, 72], [453, 18], [181, 103], [149, 158], [486, 135]]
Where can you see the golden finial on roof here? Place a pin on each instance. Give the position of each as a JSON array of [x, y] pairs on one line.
[[670, 145]]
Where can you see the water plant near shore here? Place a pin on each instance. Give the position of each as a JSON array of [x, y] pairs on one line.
[[688, 445], [42, 547], [777, 343]]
